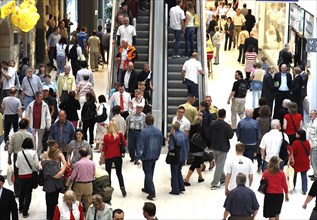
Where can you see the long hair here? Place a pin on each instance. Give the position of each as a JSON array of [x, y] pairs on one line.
[[113, 129], [190, 8], [274, 165]]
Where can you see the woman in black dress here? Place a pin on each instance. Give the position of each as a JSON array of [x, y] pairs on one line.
[[88, 114]]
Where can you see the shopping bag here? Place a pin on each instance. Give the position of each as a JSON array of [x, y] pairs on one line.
[[289, 173], [10, 175]]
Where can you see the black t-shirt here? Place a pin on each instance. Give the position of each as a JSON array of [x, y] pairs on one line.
[[313, 193], [240, 88], [49, 101]]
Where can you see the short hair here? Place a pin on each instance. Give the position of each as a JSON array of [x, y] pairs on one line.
[[302, 134], [99, 27], [297, 70], [24, 123], [101, 98], [240, 147], [149, 208], [38, 93], [178, 2], [285, 103], [6, 63], [119, 211], [94, 32], [83, 29], [149, 119], [83, 152], [240, 74], [28, 143], [116, 109], [12, 90], [292, 108], [70, 194], [71, 94], [86, 77], [47, 75], [265, 111], [241, 178], [222, 113], [121, 84], [275, 123], [262, 101], [181, 107], [204, 104], [216, 28], [176, 125], [83, 64], [263, 59], [98, 198]]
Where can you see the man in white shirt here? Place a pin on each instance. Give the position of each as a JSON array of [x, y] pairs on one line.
[[84, 71], [271, 143], [190, 71], [129, 78], [126, 31], [238, 20], [183, 121], [177, 17], [121, 98], [312, 138], [237, 164], [8, 78]]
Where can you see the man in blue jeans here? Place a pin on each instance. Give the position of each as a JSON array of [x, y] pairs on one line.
[[148, 151], [177, 17]]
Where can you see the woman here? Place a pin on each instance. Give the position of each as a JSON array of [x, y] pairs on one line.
[[301, 152], [71, 106], [42, 72], [138, 99], [98, 208], [25, 174], [309, 198], [178, 139], [74, 147], [276, 185], [61, 55], [264, 121], [244, 34], [250, 57], [53, 181], [212, 25], [256, 83], [189, 29], [206, 116], [216, 40], [229, 33], [83, 88], [196, 152], [101, 126], [210, 54], [88, 114], [292, 121], [111, 153], [69, 208]]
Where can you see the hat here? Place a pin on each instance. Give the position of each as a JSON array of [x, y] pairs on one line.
[[139, 105], [45, 88], [2, 178]]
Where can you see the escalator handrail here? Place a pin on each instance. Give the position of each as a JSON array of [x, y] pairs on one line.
[[150, 34], [165, 68]]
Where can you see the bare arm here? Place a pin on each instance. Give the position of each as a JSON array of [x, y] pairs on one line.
[[308, 199], [228, 176], [225, 214], [250, 179], [284, 124], [60, 173], [230, 97]]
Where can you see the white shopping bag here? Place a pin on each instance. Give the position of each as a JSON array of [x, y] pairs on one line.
[[10, 175], [289, 173]]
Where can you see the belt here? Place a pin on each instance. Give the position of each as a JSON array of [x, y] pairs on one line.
[[133, 129], [282, 91], [83, 182]]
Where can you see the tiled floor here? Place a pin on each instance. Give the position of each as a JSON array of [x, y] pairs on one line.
[[198, 202]]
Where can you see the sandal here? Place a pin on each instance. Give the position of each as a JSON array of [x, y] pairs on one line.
[[200, 179], [186, 183]]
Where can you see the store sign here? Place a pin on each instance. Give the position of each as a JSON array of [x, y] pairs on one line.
[[312, 45]]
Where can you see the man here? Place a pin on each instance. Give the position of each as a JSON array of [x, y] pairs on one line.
[[282, 83], [8, 205], [238, 20], [126, 53], [241, 202], [48, 100], [118, 119], [15, 146], [85, 71], [146, 75], [105, 45], [149, 211], [148, 151], [124, 12], [63, 132], [296, 88], [220, 133], [31, 83], [249, 21], [237, 96], [51, 85], [63, 30], [212, 108], [190, 110], [118, 214], [102, 44], [126, 31], [133, 7], [285, 56], [268, 90], [121, 98], [65, 83], [244, 9], [93, 45], [82, 38], [238, 164], [304, 108], [8, 77], [251, 41], [83, 174], [135, 123], [180, 118], [312, 138], [40, 119], [248, 133], [271, 143], [177, 18], [190, 71], [104, 210], [53, 39], [12, 111], [129, 78]]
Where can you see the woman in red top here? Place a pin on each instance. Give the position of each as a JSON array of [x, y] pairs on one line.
[[301, 151], [292, 122], [276, 184], [69, 208], [111, 153]]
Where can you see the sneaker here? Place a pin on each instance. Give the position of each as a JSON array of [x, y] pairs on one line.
[[124, 193], [214, 187], [222, 183], [150, 197], [144, 190], [311, 176]]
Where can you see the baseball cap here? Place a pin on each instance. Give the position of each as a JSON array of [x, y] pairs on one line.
[[139, 105], [45, 88]]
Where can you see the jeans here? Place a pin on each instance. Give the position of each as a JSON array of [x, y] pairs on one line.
[[61, 62], [177, 36], [228, 37], [249, 151], [313, 159], [265, 163], [192, 88], [256, 94], [217, 54], [7, 122], [25, 195], [177, 181], [28, 100], [189, 41], [148, 168], [220, 159], [51, 202], [304, 180], [118, 165], [132, 142], [241, 54]]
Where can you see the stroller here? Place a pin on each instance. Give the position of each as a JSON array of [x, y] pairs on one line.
[[101, 185]]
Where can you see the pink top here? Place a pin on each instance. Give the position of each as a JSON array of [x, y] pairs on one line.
[[250, 59], [84, 170]]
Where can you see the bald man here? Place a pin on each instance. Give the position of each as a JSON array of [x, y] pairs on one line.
[[248, 133]]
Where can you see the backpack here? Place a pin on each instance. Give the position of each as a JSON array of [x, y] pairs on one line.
[[72, 55], [103, 116]]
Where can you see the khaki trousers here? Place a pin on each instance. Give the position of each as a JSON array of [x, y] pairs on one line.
[[237, 107], [83, 193]]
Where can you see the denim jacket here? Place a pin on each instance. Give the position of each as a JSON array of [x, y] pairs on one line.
[[150, 142], [248, 131], [180, 139], [68, 133]]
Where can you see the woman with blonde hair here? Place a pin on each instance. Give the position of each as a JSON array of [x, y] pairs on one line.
[[111, 153], [276, 185]]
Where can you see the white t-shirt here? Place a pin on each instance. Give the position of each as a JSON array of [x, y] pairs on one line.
[[271, 142], [192, 67], [184, 123], [191, 18], [127, 79], [9, 83], [176, 15], [238, 164], [126, 32]]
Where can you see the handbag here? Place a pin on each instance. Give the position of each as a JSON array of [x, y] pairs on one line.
[[263, 185], [283, 154], [173, 156], [122, 147], [198, 141], [289, 174], [35, 174]]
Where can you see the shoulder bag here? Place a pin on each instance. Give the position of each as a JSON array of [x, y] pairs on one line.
[[31, 86], [283, 154], [293, 122], [263, 185], [173, 156], [306, 152], [35, 174]]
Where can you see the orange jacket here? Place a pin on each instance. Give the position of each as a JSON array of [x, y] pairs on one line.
[[131, 56]]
